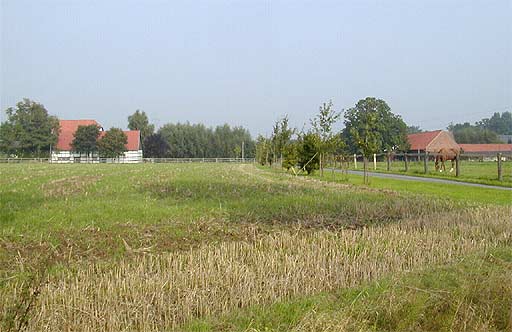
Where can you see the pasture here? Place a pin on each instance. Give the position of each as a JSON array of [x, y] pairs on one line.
[[484, 172], [212, 247]]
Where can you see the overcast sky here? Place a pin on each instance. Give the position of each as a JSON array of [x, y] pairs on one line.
[[249, 62]]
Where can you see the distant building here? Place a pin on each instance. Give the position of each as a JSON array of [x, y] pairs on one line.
[[431, 141], [63, 152], [487, 152]]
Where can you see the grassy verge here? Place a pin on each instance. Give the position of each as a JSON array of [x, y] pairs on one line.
[[471, 171], [432, 191], [471, 294]]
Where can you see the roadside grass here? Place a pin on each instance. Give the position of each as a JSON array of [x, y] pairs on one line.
[[485, 172], [434, 191], [156, 292], [473, 293]]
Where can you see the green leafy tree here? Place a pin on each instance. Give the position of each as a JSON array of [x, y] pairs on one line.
[[466, 133], [281, 136], [363, 127], [308, 155], [323, 126], [139, 121], [86, 139], [112, 144], [263, 150], [29, 130], [290, 155], [155, 146], [414, 130]]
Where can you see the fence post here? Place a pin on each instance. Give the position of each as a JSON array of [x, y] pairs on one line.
[[500, 170], [355, 161], [388, 161], [375, 161], [457, 165], [425, 161], [406, 162]]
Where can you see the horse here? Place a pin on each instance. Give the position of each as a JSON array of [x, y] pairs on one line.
[[444, 155]]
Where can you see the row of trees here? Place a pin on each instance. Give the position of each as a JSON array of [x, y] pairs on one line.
[[483, 131], [370, 127], [30, 131], [185, 140]]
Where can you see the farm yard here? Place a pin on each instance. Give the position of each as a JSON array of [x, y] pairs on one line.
[[236, 247]]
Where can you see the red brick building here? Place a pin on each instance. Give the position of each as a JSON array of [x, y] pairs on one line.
[[432, 141]]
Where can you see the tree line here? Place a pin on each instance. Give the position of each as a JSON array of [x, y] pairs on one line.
[[370, 127], [30, 131], [483, 131]]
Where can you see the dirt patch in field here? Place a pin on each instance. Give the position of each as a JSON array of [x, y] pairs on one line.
[[68, 186]]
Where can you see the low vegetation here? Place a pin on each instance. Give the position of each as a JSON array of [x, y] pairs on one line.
[[179, 246]]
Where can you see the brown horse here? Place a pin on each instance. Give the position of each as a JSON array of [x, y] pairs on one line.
[[444, 155]]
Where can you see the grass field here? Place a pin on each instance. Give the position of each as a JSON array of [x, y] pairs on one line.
[[213, 247], [470, 171]]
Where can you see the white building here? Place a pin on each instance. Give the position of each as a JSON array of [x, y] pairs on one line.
[[63, 152]]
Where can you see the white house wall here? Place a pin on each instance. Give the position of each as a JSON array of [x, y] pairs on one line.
[[67, 157]]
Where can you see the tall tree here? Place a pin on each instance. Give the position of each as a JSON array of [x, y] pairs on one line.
[[323, 126], [86, 139], [29, 130], [139, 121], [112, 144], [155, 146], [364, 129]]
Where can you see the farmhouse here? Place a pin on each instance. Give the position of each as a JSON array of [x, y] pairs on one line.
[[63, 152], [432, 141]]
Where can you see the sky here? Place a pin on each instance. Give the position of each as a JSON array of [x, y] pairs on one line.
[[250, 62]]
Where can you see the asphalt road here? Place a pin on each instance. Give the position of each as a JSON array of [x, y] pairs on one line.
[[425, 179]]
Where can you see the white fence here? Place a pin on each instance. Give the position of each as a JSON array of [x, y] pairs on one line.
[[117, 161]]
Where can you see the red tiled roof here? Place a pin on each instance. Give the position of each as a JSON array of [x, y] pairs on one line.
[[67, 132], [486, 147], [420, 141], [69, 127], [133, 139]]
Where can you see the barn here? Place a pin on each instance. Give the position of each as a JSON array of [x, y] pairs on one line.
[[487, 152], [432, 141], [63, 152]]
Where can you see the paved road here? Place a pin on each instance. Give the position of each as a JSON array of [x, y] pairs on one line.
[[425, 179]]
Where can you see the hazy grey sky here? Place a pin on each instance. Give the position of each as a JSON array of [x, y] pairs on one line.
[[249, 62]]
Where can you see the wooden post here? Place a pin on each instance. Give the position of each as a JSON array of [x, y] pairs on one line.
[[374, 161], [457, 165], [425, 161], [355, 161], [500, 170], [388, 161], [406, 162]]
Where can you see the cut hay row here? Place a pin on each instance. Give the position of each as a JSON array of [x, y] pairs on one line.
[[151, 293]]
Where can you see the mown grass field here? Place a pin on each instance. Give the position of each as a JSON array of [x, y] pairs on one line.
[[213, 247], [485, 172]]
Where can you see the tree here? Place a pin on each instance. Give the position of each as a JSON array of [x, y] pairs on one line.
[[466, 133], [414, 130], [290, 155], [323, 126], [139, 121], [364, 129], [281, 136], [86, 139], [263, 150], [112, 144], [308, 155], [155, 146], [29, 130]]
